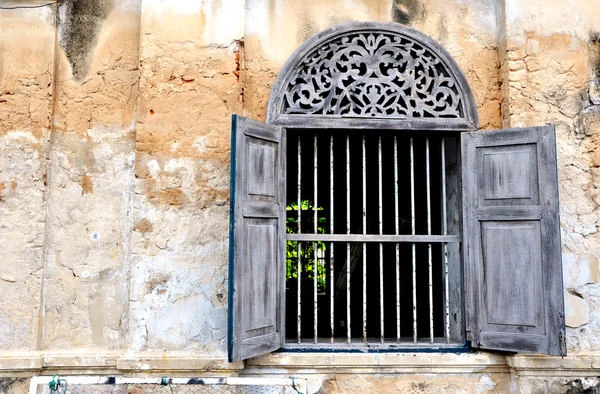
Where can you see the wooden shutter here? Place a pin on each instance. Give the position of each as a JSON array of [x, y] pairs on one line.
[[513, 269], [257, 240]]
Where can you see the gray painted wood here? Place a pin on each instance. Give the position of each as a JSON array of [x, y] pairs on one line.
[[513, 269], [391, 124], [257, 270], [455, 273]]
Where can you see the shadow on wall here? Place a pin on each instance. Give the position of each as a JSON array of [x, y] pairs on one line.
[[80, 22], [407, 11]]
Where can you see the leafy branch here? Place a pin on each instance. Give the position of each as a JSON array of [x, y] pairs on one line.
[[306, 251]]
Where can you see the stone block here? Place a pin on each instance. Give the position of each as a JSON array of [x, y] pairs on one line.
[[577, 311], [580, 270]]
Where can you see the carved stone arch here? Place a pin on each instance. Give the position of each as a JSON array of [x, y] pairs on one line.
[[362, 72]]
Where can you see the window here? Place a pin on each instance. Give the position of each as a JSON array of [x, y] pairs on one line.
[[387, 203], [459, 238]]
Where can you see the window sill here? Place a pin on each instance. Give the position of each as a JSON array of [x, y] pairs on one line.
[[390, 347], [409, 362]]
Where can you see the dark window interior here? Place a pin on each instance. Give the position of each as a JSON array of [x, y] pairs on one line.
[[323, 184]]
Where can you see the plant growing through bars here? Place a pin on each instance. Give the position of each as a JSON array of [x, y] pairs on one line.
[[307, 249]]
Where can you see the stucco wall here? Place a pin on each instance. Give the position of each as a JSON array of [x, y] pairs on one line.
[[114, 175]]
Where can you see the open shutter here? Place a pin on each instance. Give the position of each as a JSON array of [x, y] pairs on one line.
[[256, 240], [513, 269]]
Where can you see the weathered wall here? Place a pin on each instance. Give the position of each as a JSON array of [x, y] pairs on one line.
[[552, 66], [88, 225], [26, 76], [189, 88], [114, 176]]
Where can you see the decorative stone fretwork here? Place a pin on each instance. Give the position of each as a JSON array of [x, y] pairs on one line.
[[380, 73]]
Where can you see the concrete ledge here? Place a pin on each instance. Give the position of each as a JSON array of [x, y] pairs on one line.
[[78, 362], [90, 361], [570, 366], [81, 359], [166, 361], [19, 364], [428, 363]]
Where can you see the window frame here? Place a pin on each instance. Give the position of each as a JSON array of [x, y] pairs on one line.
[[467, 126]]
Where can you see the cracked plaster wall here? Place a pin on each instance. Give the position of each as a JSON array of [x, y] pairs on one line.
[[26, 75], [188, 90], [114, 169], [89, 212]]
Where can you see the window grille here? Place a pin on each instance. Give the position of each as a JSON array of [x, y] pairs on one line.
[[372, 238], [120, 385]]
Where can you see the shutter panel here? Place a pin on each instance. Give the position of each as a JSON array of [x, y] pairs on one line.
[[256, 240], [513, 269]]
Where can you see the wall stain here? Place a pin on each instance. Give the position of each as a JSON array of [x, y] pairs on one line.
[[157, 281], [172, 197], [87, 186], [407, 11], [595, 47], [143, 226], [80, 22]]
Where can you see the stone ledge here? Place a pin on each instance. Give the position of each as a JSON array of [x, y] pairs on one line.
[[80, 359], [159, 361], [574, 365], [380, 363], [19, 364]]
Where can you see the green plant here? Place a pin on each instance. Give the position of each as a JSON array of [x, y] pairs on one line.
[[307, 249]]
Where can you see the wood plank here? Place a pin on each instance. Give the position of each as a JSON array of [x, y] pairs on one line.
[[392, 124], [510, 213], [512, 241], [256, 274]]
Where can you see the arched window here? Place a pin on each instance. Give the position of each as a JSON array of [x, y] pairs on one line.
[[370, 212]]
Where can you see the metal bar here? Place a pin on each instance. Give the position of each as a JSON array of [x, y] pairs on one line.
[[364, 245], [348, 333], [414, 251], [397, 223], [374, 238], [299, 246], [430, 266], [316, 244], [445, 245], [331, 271], [381, 305]]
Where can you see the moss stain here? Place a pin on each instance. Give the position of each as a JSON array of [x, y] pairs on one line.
[[80, 24]]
